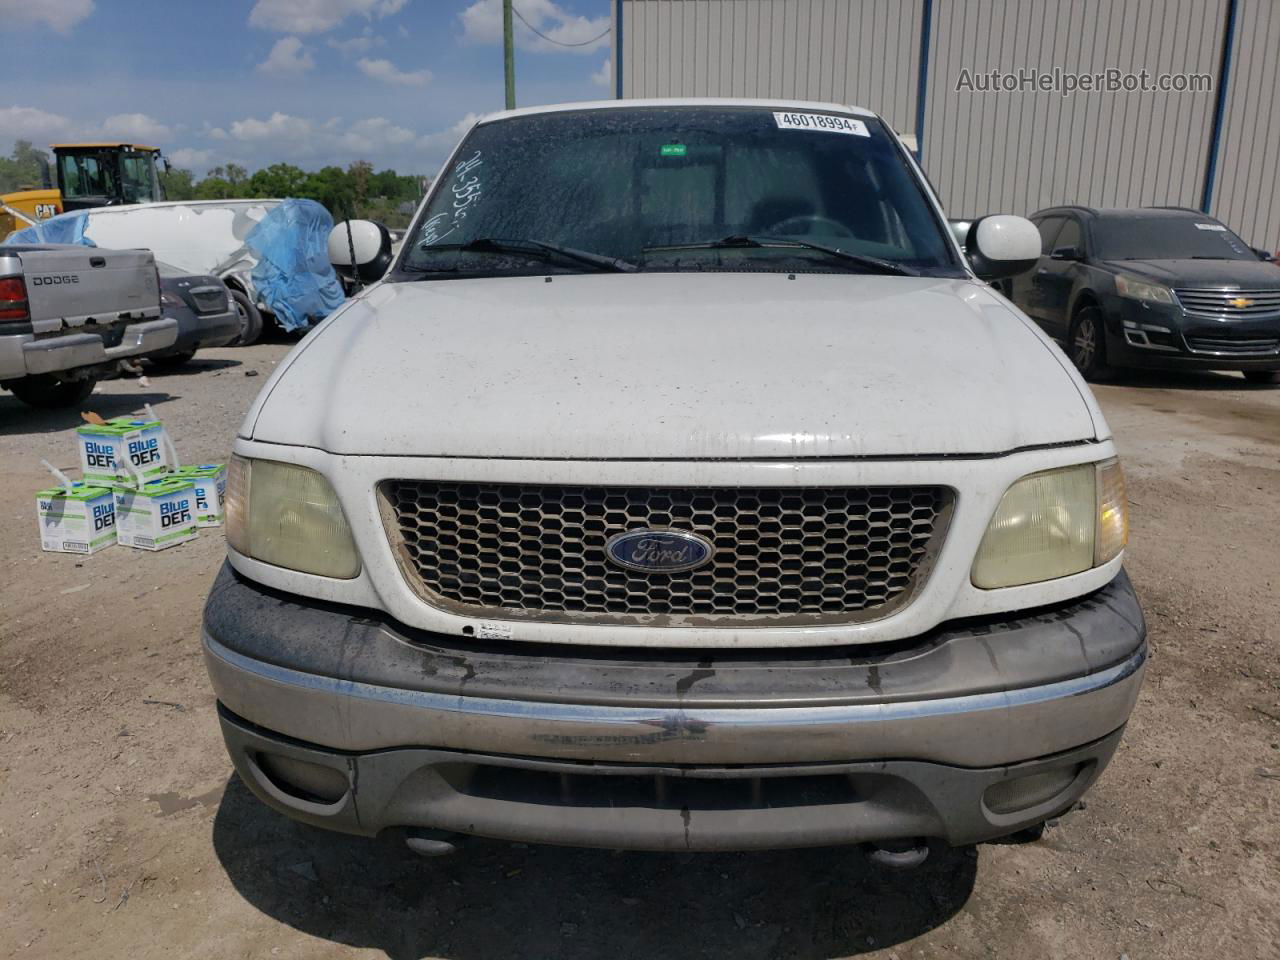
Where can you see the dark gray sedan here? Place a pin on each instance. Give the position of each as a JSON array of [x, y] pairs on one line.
[[1154, 287], [204, 309]]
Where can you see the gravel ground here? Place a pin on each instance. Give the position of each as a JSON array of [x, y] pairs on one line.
[[124, 833]]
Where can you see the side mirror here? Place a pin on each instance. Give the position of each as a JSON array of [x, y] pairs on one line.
[[370, 243], [1266, 255], [1066, 253], [960, 230], [1001, 246]]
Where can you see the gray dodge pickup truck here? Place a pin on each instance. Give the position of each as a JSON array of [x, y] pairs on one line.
[[69, 314]]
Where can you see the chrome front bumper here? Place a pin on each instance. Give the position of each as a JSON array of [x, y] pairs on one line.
[[415, 730], [977, 730]]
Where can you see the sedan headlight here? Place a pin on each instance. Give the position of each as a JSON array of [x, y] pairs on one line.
[[1054, 524], [1136, 289], [288, 516]]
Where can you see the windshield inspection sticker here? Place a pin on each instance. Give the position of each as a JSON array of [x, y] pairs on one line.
[[822, 122], [1211, 226]]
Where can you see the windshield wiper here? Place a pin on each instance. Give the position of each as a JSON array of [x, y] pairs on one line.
[[746, 241], [536, 249]]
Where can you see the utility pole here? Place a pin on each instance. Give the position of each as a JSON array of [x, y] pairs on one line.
[[508, 54]]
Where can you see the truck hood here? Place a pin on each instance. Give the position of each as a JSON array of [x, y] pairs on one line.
[[1246, 274], [675, 366]]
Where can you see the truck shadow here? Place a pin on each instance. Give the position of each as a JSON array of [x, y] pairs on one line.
[[16, 418], [497, 899]]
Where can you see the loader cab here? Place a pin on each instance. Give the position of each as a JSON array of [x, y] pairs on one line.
[[107, 174]]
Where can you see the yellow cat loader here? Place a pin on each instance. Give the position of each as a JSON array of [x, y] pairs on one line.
[[88, 175]]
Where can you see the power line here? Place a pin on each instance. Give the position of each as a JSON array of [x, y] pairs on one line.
[[559, 43]]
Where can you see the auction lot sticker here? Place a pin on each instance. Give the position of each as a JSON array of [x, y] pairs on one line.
[[822, 122]]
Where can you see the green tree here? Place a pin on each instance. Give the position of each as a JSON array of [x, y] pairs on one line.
[[178, 184], [214, 188], [26, 168], [330, 186], [277, 180]]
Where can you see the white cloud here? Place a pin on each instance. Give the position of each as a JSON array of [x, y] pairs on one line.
[[316, 16], [136, 127], [373, 134], [28, 123], [482, 23], [61, 15], [604, 76], [279, 127], [255, 142], [437, 144], [363, 43], [388, 72], [288, 58], [191, 159]]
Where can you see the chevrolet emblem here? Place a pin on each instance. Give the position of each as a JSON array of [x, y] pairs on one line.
[[1239, 302]]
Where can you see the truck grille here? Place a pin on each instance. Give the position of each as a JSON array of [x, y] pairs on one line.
[[1229, 304], [819, 555], [1235, 346]]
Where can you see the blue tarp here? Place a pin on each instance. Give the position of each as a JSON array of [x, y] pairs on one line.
[[64, 228], [294, 278]]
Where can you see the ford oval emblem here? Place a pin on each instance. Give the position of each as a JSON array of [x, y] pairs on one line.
[[659, 551]]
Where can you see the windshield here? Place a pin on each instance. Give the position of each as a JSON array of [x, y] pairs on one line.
[[87, 175], [1167, 238], [641, 184]]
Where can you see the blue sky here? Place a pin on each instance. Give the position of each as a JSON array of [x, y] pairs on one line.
[[309, 82]]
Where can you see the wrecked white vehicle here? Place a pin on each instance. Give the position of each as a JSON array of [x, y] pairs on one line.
[[683, 485], [271, 254]]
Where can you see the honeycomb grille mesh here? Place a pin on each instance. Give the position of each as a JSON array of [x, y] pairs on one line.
[[821, 554]]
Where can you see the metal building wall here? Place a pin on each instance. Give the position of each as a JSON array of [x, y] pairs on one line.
[[1017, 152], [1247, 190], [1001, 152], [864, 52]]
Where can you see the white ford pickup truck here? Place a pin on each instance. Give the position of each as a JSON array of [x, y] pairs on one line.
[[682, 485], [69, 314]]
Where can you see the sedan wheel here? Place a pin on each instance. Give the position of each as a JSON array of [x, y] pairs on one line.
[[1087, 345]]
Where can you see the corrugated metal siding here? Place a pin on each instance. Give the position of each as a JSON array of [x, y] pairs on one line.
[[1006, 152], [1015, 152], [1247, 193], [864, 52]]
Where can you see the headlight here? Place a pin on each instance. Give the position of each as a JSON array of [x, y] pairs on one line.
[[1054, 524], [288, 516], [170, 299], [1136, 289]]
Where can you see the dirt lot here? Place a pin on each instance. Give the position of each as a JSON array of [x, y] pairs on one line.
[[123, 833]]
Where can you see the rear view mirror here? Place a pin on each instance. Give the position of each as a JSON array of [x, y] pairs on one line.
[[1002, 246], [360, 248]]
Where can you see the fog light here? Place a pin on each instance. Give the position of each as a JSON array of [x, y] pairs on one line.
[[1023, 793], [304, 780]]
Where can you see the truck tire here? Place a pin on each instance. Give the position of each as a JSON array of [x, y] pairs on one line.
[[46, 392], [250, 320]]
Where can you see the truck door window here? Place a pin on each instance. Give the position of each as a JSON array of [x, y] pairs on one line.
[[136, 181]]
